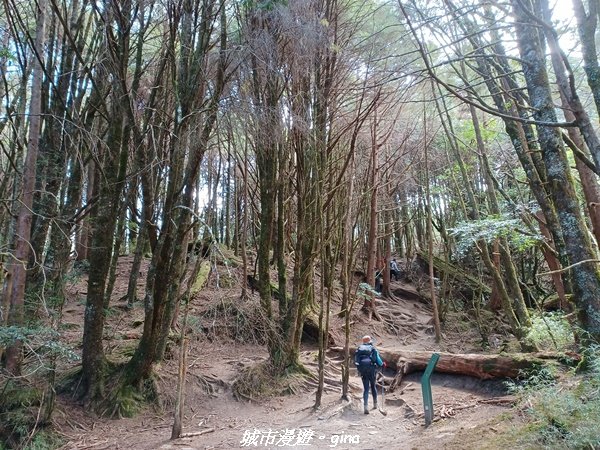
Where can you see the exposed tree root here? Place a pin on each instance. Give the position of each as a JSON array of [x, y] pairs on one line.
[[126, 400], [210, 384], [396, 319], [115, 397], [260, 381], [242, 321]]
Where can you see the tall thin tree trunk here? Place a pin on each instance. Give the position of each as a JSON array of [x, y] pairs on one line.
[[244, 225], [568, 93], [346, 275], [137, 260], [586, 25], [432, 288], [471, 211], [369, 303], [116, 250], [227, 225], [18, 266], [581, 136], [510, 272], [82, 239]]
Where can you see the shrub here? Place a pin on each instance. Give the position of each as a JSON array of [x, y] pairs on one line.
[[550, 331], [20, 405], [562, 416]]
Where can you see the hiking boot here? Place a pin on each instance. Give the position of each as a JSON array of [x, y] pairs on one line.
[[375, 406], [366, 409]]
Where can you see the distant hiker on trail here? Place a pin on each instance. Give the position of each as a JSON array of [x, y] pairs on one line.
[[394, 270], [367, 360]]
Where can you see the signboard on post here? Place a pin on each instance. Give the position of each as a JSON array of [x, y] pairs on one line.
[[426, 388]]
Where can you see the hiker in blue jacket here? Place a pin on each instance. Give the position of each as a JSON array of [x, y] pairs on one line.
[[367, 360]]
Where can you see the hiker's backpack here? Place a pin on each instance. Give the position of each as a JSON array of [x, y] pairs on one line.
[[365, 357]]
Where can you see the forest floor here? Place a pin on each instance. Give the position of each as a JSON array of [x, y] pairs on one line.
[[466, 413]]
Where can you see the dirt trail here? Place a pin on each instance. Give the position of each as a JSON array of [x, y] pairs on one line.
[[269, 423], [290, 421]]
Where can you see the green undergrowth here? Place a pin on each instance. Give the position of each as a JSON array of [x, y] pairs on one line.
[[26, 401], [21, 418], [42, 440], [550, 331], [560, 413]]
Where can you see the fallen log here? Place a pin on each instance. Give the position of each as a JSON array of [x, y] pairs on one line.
[[463, 280], [409, 293], [482, 366]]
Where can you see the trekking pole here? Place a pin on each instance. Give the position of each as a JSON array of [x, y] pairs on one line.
[[381, 408]]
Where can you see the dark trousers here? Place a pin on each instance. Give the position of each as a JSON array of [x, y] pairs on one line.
[[368, 378]]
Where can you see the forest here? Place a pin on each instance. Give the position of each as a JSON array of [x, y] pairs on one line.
[[181, 178]]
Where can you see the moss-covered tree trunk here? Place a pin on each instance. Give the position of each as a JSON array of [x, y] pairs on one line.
[[92, 355], [109, 177], [267, 102], [569, 95], [280, 246], [346, 274], [585, 276], [587, 22], [582, 135], [55, 150], [189, 145], [103, 219], [502, 86]]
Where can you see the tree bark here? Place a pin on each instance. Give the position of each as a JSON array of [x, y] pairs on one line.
[[471, 212], [581, 136], [432, 290], [369, 303], [189, 48], [586, 25], [110, 173], [497, 73], [482, 366], [18, 267], [586, 277], [565, 79]]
